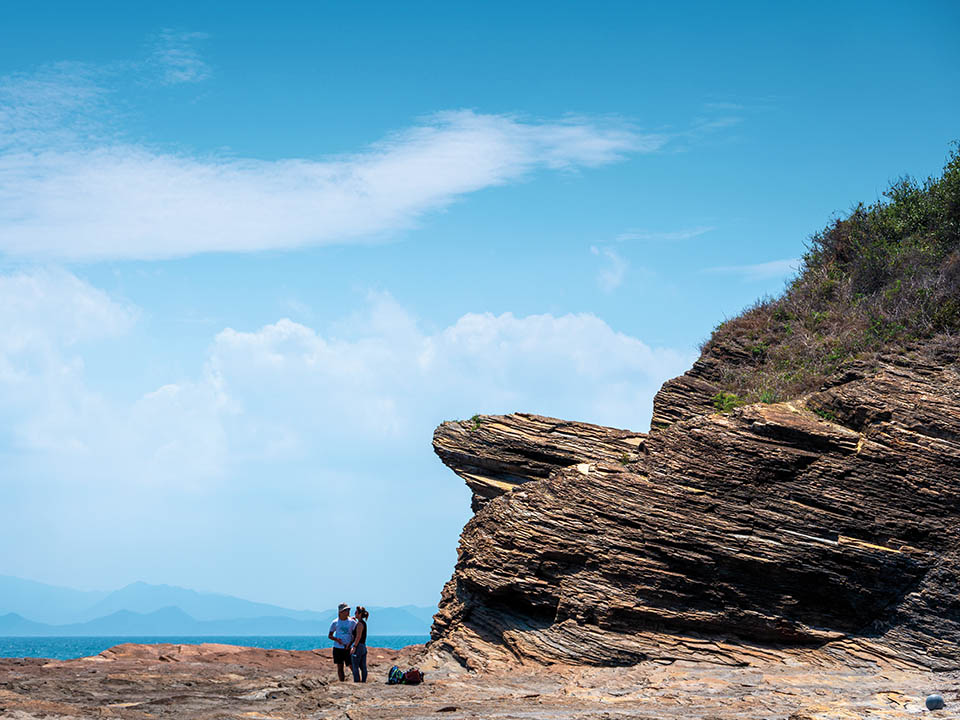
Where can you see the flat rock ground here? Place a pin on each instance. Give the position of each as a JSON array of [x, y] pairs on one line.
[[223, 681]]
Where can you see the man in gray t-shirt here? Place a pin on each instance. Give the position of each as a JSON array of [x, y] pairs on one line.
[[341, 632]]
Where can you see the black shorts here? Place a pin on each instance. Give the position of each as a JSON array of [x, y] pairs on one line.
[[341, 655]]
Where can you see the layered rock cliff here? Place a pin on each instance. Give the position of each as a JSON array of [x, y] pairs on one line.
[[830, 521], [799, 488]]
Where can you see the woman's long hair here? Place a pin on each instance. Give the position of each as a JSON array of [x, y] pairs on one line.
[[362, 613]]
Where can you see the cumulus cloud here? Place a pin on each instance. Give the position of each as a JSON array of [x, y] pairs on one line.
[[50, 321], [67, 193], [255, 450], [46, 317], [57, 307], [394, 381], [287, 391], [759, 271]]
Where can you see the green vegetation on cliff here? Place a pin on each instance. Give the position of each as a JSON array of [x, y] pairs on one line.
[[881, 280]]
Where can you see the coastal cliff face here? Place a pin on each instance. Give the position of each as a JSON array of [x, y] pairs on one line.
[[829, 521]]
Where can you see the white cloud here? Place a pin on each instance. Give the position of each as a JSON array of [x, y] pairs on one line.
[[45, 318], [177, 59], [673, 236], [51, 107], [49, 321], [59, 308], [288, 392], [610, 277], [262, 449], [760, 271], [67, 192], [395, 382]]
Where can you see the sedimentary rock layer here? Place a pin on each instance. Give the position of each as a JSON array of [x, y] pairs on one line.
[[495, 454], [830, 521]]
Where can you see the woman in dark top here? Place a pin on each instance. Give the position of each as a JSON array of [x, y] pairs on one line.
[[358, 648]]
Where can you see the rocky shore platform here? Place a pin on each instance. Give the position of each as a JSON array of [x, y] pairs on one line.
[[223, 681]]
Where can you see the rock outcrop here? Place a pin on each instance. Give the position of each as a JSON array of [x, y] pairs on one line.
[[830, 522], [495, 454], [692, 393]]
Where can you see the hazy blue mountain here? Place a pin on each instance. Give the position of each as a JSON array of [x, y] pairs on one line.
[[165, 621], [423, 613], [142, 597], [174, 621], [13, 624], [140, 608], [44, 603]]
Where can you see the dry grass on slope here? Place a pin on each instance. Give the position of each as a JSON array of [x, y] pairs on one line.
[[882, 280]]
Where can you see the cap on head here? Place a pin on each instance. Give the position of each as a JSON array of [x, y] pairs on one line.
[[343, 606]]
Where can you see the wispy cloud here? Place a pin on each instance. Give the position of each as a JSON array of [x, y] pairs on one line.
[[673, 236], [714, 119], [760, 271], [66, 193], [177, 59], [724, 106], [612, 275], [52, 107]]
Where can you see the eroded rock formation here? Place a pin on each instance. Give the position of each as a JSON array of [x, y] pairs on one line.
[[495, 454], [829, 522]]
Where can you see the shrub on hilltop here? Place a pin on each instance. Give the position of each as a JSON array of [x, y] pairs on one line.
[[881, 280]]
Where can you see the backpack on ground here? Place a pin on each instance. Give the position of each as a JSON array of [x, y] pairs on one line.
[[413, 676], [395, 676]]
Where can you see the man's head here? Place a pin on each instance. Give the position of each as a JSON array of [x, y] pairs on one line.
[[343, 612]]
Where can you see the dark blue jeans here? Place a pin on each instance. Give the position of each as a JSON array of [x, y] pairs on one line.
[[358, 661]]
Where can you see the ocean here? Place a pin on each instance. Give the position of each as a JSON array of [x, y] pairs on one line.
[[65, 648]]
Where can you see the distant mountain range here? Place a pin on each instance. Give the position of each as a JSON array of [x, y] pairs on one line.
[[29, 608]]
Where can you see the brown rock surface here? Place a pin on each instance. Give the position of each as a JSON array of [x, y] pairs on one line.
[[179, 681], [828, 522], [217, 681], [495, 454], [692, 393]]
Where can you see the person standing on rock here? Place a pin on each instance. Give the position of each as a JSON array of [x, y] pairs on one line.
[[341, 632], [358, 650]]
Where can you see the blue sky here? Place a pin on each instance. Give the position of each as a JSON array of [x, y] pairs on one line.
[[250, 256]]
